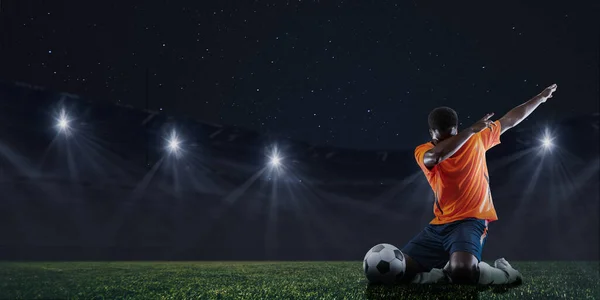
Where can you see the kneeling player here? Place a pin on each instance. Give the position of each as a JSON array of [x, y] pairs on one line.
[[455, 166]]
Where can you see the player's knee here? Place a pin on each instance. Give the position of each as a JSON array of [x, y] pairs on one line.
[[464, 273]]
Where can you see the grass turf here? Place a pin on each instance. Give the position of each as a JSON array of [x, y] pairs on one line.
[[270, 280]]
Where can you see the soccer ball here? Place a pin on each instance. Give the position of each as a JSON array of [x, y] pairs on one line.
[[384, 263]]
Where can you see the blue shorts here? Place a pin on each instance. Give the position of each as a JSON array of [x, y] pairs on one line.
[[432, 247]]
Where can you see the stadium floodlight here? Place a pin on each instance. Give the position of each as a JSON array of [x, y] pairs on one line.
[[275, 161], [547, 142], [173, 144], [63, 122]]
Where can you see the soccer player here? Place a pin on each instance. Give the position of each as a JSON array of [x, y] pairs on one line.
[[454, 163]]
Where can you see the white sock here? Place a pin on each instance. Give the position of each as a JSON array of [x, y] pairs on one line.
[[433, 276], [513, 275], [503, 273]]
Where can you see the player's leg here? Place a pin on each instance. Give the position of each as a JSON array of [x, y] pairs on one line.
[[465, 241], [463, 268], [412, 267], [424, 253]]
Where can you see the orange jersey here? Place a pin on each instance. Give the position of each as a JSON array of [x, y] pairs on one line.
[[461, 183]]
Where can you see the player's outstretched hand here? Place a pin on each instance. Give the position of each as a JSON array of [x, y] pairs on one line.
[[547, 93], [484, 123]]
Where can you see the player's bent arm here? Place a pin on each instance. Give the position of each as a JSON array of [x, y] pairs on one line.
[[446, 148], [519, 113]]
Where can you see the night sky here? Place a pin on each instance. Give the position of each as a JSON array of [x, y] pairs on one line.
[[326, 72]]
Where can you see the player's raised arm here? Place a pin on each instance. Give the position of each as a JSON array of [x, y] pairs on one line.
[[519, 113], [446, 148]]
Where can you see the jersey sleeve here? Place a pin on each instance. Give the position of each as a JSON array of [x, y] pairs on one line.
[[420, 154], [491, 137]]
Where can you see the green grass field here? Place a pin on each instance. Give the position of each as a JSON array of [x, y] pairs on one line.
[[270, 280]]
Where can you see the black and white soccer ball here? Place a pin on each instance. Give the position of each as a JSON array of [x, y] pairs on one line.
[[384, 263]]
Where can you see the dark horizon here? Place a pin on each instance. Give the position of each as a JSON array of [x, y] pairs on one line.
[[91, 196], [74, 98]]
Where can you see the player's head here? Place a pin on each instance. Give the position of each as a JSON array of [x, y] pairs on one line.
[[443, 123]]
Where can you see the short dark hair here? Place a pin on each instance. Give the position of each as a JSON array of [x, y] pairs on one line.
[[443, 118]]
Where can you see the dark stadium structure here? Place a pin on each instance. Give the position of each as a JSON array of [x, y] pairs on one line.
[[110, 191]]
